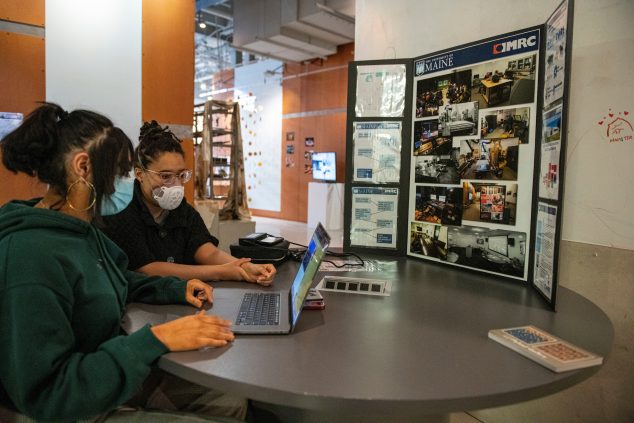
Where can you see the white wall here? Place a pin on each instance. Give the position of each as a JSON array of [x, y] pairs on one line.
[[93, 58], [599, 196], [260, 98]]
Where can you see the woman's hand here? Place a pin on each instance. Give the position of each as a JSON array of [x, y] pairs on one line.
[[261, 274], [198, 292], [231, 271], [194, 332]]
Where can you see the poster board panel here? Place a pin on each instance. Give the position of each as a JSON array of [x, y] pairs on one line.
[[551, 159], [474, 118], [377, 159]]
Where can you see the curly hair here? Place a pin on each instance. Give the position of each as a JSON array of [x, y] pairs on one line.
[[154, 141]]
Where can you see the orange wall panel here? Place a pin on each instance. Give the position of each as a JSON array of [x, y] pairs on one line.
[[307, 88], [168, 68], [22, 81], [168, 61], [23, 11], [22, 76], [319, 85], [329, 134]]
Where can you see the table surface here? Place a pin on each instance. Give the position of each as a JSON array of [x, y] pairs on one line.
[[422, 350], [490, 84]]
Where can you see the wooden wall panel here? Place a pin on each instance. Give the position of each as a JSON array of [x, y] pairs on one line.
[[22, 82], [168, 68], [23, 11], [22, 76], [168, 61], [320, 92]]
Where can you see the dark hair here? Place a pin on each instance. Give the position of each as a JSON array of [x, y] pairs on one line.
[[38, 147], [154, 141]]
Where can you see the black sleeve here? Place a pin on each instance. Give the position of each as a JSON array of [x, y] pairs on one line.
[[127, 230], [198, 233]]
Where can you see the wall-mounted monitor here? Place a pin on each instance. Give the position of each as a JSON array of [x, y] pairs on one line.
[[325, 166], [8, 122], [499, 244]]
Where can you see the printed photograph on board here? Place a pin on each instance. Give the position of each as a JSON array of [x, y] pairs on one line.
[[551, 125], [428, 240], [489, 202], [438, 169], [492, 159], [427, 140], [505, 123], [493, 250], [458, 119], [504, 82], [438, 205], [482, 98], [446, 89]]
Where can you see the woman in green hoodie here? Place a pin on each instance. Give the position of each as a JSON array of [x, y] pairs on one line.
[[64, 285]]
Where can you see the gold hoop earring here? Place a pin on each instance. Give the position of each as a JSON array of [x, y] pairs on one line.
[[93, 194]]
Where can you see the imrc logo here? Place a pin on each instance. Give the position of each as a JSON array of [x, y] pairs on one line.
[[517, 44]]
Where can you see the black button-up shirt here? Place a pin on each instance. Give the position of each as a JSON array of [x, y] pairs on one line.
[[175, 240]]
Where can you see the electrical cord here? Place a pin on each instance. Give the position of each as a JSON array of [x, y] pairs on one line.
[[361, 263], [330, 253]]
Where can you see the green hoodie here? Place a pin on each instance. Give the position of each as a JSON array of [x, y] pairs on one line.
[[63, 290]]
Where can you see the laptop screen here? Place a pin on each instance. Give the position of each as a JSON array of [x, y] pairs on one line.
[[307, 270]]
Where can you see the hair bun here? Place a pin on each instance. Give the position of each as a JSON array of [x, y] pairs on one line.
[[31, 145], [149, 128]]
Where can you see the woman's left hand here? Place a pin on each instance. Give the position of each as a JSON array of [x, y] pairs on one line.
[[261, 274], [198, 292]]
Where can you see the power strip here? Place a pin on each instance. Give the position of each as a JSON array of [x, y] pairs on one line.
[[379, 287]]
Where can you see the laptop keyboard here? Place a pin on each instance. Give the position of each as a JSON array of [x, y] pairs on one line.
[[261, 308]]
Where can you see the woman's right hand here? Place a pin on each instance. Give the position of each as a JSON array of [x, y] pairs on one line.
[[194, 332]]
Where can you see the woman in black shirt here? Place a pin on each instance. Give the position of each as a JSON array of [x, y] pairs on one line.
[[163, 235]]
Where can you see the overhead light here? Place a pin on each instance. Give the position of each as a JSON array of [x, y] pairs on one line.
[[201, 22]]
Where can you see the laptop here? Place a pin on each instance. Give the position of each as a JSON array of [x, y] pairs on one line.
[[272, 312]]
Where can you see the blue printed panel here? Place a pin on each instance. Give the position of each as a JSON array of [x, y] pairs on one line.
[[490, 50]]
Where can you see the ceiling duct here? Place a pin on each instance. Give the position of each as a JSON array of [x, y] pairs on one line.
[[293, 30]]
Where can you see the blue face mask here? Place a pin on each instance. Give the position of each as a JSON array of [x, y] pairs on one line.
[[120, 198]]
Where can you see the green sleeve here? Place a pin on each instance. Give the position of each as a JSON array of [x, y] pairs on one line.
[[155, 289], [41, 369]]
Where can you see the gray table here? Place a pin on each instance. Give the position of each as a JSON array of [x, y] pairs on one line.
[[421, 351]]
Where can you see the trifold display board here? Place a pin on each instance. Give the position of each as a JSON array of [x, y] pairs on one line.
[[458, 156]]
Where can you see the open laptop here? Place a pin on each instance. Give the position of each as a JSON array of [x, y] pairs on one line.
[[272, 312]]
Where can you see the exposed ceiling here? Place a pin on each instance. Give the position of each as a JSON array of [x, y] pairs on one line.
[[232, 32], [293, 30]]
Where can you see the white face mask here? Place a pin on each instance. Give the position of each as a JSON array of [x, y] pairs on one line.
[[168, 198]]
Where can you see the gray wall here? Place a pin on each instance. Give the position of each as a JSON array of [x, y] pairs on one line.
[[597, 256]]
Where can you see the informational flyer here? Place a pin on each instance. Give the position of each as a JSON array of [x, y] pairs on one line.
[[380, 91], [556, 31], [545, 248], [377, 152], [374, 217], [549, 171]]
